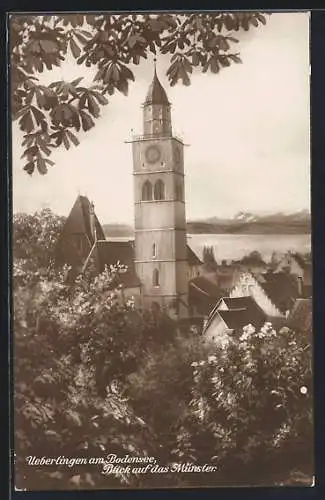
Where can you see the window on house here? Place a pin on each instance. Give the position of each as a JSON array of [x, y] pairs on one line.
[[155, 277], [154, 255], [159, 190], [147, 191]]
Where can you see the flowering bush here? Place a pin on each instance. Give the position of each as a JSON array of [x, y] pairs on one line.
[[70, 345], [252, 407]]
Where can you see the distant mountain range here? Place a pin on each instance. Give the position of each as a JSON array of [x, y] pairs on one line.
[[249, 223], [241, 223]]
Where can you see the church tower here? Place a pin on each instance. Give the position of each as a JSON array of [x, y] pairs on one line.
[[160, 223]]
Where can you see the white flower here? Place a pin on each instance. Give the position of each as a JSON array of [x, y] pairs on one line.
[[244, 336], [212, 358], [249, 329], [303, 389]]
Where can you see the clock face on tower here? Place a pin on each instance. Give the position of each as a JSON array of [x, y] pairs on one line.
[[152, 154]]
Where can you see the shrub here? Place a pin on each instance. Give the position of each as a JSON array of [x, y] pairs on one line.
[[252, 408]]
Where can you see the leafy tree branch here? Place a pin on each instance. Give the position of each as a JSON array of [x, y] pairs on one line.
[[51, 116]]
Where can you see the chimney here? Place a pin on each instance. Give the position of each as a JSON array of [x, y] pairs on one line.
[[300, 286], [93, 221]]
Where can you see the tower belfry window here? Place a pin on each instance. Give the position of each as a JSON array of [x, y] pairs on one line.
[[159, 190], [146, 191]]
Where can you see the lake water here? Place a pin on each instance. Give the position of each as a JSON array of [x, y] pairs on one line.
[[235, 246]]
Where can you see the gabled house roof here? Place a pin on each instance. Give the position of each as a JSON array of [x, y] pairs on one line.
[[240, 302], [281, 288], [241, 312], [236, 319], [247, 304]]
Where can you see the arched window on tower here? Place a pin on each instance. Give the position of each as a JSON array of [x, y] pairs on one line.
[[159, 190], [154, 251], [155, 277], [147, 191]]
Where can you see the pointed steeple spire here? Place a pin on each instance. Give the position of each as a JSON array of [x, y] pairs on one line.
[[156, 93]]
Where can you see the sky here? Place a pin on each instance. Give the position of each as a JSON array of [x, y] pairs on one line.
[[247, 129]]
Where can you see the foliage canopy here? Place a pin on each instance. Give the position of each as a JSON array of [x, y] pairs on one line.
[[52, 115]]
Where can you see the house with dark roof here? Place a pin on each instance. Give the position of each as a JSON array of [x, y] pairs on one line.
[[275, 293], [230, 316]]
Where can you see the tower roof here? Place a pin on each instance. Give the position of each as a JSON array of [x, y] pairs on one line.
[[156, 93]]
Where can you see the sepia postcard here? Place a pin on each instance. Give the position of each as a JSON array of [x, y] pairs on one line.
[[162, 274]]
